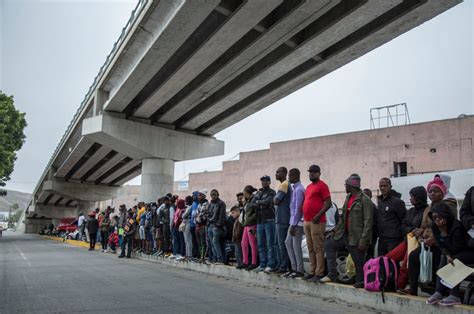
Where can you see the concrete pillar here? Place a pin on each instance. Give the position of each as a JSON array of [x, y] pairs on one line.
[[157, 178]]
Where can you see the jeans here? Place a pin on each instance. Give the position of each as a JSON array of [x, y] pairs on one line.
[[127, 241], [177, 241], [98, 237], [282, 253], [293, 247], [195, 242], [399, 254], [358, 256], [249, 238], [215, 234], [166, 237], [266, 243], [387, 245], [238, 253], [188, 240]]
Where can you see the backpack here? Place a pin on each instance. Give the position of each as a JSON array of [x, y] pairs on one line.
[[380, 274]]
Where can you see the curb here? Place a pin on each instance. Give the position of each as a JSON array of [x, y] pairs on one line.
[[70, 242], [393, 302]]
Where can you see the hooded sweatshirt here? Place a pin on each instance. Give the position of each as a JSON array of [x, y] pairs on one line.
[[455, 240], [414, 216]]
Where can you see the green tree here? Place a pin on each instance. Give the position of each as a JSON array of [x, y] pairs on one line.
[[12, 125]]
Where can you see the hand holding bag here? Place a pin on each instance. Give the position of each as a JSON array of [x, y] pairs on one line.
[[426, 264]]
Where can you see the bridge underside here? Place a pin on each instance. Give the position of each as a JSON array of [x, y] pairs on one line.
[[187, 70]]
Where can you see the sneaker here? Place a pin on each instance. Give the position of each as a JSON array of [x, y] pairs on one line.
[[251, 267], [434, 298], [295, 274], [307, 277], [172, 256], [450, 301], [268, 270], [121, 256], [287, 274], [359, 285], [314, 279], [326, 279], [241, 266], [259, 269]]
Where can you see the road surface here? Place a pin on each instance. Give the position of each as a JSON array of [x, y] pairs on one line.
[[44, 276]]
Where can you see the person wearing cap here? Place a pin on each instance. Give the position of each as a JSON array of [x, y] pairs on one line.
[[317, 201], [92, 228], [201, 224], [388, 217], [282, 220], [263, 206], [353, 231]]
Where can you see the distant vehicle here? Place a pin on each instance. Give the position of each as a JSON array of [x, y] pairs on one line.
[[66, 225]]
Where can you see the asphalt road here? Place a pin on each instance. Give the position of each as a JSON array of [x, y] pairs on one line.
[[44, 276]]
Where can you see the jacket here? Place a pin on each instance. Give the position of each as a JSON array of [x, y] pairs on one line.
[[250, 212], [283, 213], [414, 216], [263, 205], [202, 213], [105, 224], [390, 213], [467, 209], [455, 240], [217, 213], [92, 225], [361, 219], [164, 215], [237, 231], [130, 227]]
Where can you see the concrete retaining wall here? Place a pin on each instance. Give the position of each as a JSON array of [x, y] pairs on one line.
[[393, 302]]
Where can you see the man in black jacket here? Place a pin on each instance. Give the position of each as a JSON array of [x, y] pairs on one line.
[[92, 228], [216, 222], [266, 226], [389, 217]]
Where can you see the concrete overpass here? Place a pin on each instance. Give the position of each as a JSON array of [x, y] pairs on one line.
[[184, 70]]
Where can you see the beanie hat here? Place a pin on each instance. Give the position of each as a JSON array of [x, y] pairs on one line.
[[353, 180], [203, 192], [438, 182]]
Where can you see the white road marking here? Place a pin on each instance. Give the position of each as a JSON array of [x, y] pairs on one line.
[[22, 254]]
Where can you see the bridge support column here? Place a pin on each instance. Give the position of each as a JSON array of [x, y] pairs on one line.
[[157, 178]]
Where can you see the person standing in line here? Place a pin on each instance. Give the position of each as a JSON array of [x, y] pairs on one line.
[[81, 225], [201, 224], [282, 220], [389, 217], [104, 231], [250, 226], [237, 232], [353, 231], [92, 228], [216, 220], [295, 232], [129, 235], [317, 201], [186, 226]]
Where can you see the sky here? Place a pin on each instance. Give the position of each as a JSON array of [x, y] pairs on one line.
[[50, 52]]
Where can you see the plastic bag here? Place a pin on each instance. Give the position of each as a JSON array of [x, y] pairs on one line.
[[426, 264], [412, 244], [350, 267]]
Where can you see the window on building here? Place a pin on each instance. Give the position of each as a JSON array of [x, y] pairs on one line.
[[400, 169]]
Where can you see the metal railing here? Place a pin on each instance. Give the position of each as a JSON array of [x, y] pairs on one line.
[[141, 4]]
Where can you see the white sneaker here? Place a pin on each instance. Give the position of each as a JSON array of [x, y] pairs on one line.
[[267, 269]]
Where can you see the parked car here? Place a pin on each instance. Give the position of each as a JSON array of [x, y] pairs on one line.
[[66, 225]]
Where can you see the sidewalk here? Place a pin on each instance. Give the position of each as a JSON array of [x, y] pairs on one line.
[[393, 302]]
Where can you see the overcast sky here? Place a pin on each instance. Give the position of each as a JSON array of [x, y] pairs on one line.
[[50, 52]]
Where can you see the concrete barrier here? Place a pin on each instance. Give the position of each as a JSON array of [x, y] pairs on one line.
[[393, 302]]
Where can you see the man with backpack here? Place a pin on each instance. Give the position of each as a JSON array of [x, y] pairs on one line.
[[353, 231]]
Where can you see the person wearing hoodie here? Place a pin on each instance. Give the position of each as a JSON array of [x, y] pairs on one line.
[[192, 223], [92, 228], [411, 223], [451, 238], [249, 222], [389, 217]]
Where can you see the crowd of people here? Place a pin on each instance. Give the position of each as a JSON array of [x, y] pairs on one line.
[[264, 230]]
